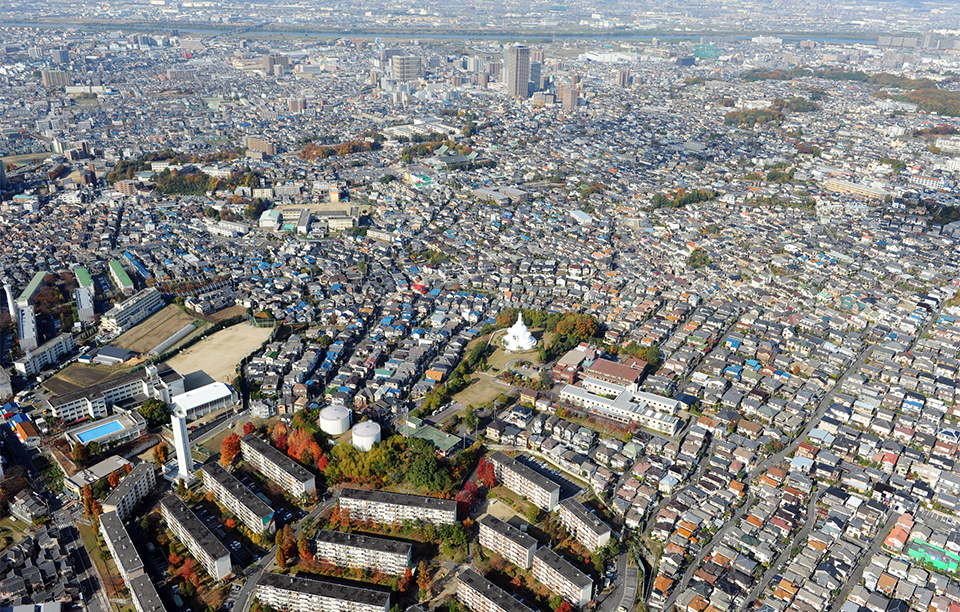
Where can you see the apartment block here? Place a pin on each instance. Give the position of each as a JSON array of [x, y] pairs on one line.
[[584, 525], [49, 353], [296, 594], [385, 507], [200, 541], [128, 313], [363, 551], [276, 466], [507, 541], [562, 578], [135, 486], [523, 480], [144, 595], [121, 547], [481, 595], [236, 498]]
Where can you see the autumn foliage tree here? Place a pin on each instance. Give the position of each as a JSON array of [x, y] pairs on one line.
[[249, 428], [79, 453], [113, 479], [229, 449], [230, 523], [160, 453], [486, 473], [279, 437]]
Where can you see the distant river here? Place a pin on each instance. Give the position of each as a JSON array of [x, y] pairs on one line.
[[373, 32]]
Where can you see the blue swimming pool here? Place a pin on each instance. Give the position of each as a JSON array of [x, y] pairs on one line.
[[98, 432]]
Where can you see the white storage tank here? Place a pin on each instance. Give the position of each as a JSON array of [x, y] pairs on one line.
[[365, 435], [335, 420]]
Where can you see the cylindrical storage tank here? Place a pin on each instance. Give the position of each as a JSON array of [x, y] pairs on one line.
[[365, 435], [335, 420]]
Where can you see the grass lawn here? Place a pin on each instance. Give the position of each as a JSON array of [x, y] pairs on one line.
[[481, 390], [212, 445], [105, 568]]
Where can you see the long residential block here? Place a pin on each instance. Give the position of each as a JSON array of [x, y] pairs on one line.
[[279, 468], [121, 547], [386, 507], [481, 595], [562, 578], [296, 594], [507, 541], [584, 525], [523, 480], [135, 486], [129, 313], [200, 541], [363, 551], [231, 494], [144, 595]]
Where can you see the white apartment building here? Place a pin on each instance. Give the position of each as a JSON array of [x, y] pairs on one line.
[[507, 541], [49, 353], [562, 578], [135, 486], [130, 312], [363, 551], [200, 541], [583, 524], [481, 595], [385, 507], [231, 494], [296, 594], [144, 595], [277, 467], [523, 480], [121, 547]]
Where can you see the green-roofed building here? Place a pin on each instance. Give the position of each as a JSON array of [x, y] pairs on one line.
[[32, 288], [120, 277], [83, 276], [446, 443]]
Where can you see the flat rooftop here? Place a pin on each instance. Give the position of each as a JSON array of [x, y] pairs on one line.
[[145, 593], [586, 517], [233, 486], [195, 527], [274, 456], [507, 530], [125, 554], [358, 540], [324, 588], [525, 471], [126, 485], [562, 567], [491, 591], [399, 499]]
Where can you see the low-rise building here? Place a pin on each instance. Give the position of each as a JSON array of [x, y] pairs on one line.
[[27, 506], [202, 544], [93, 474], [120, 545], [129, 313], [523, 480], [562, 578], [231, 494], [386, 507], [363, 551], [277, 467], [297, 594], [584, 525], [159, 382], [49, 353], [144, 595], [507, 541]]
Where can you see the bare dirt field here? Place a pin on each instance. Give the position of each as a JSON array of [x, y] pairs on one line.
[[149, 334], [219, 354], [483, 388], [226, 313], [79, 375]]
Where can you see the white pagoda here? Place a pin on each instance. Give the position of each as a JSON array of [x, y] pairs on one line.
[[519, 338]]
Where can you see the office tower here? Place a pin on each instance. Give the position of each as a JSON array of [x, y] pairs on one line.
[[181, 439], [60, 56], [476, 64], [517, 66], [296, 105], [535, 68], [623, 77], [575, 81], [406, 68], [571, 98], [55, 78], [483, 79], [928, 40], [3, 184], [537, 56]]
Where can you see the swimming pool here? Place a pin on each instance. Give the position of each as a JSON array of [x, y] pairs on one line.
[[100, 431]]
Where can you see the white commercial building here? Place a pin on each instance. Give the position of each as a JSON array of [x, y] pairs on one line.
[[206, 399]]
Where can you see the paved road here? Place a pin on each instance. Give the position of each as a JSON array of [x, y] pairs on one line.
[[785, 555], [705, 550], [252, 574], [611, 600], [854, 578]]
